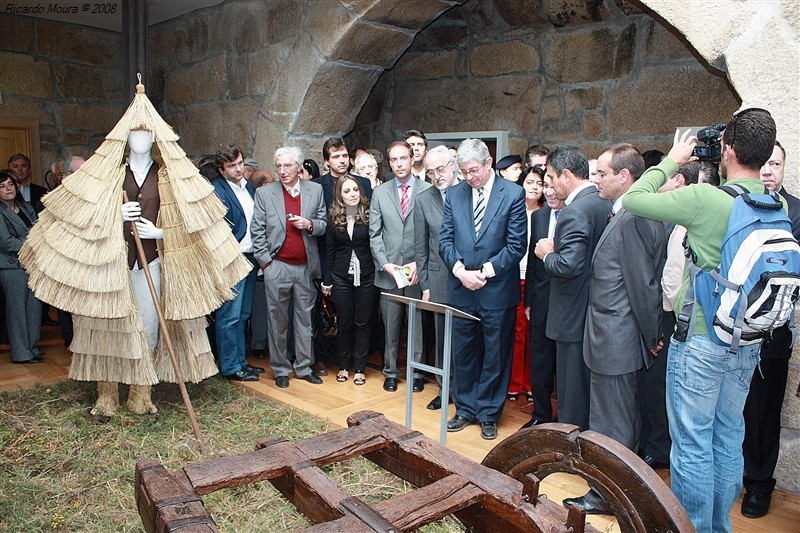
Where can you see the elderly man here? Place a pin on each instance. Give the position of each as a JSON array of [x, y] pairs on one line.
[[440, 167], [482, 241], [391, 231], [30, 192], [623, 323], [287, 215]]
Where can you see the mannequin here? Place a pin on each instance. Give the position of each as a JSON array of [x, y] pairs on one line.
[[140, 168]]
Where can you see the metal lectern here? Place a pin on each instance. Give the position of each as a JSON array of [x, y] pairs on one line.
[[411, 365]]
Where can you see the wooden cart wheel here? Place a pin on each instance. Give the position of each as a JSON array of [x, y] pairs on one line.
[[641, 501]]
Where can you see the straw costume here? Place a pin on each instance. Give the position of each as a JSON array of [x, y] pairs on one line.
[[77, 260]]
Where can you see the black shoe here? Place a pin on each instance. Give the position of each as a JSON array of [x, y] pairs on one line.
[[253, 369], [755, 504], [259, 354], [282, 381], [530, 423], [488, 430], [242, 375], [587, 507], [30, 361], [435, 404], [390, 384], [457, 423], [321, 369], [419, 385], [652, 463], [313, 379]]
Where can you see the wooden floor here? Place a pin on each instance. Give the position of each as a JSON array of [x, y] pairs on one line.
[[336, 401]]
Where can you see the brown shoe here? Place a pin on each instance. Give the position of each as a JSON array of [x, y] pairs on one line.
[[320, 369]]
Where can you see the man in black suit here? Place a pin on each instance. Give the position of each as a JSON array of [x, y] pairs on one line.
[[337, 156], [567, 260], [762, 409], [30, 192], [537, 297]]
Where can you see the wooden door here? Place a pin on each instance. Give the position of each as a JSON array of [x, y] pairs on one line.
[[20, 135]]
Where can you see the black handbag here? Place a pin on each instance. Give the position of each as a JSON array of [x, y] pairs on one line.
[[326, 319]]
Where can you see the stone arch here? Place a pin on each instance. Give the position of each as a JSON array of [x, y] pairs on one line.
[[330, 74]]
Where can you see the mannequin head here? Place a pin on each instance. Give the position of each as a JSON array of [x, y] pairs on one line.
[[141, 142]]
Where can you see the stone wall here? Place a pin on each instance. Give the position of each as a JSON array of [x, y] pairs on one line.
[[585, 73], [67, 77]]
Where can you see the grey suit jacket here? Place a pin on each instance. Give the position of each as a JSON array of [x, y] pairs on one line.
[[623, 322], [13, 233], [579, 227], [391, 237], [427, 223], [268, 229]]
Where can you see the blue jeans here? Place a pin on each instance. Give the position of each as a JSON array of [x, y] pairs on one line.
[[231, 319], [706, 391]]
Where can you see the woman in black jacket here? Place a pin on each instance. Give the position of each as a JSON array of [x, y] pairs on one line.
[[23, 312], [350, 276]]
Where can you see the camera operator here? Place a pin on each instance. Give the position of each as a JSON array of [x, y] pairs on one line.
[[706, 385]]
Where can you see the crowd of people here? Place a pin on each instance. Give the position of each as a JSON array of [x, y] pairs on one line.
[[575, 267]]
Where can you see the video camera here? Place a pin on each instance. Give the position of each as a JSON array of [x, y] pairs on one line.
[[711, 137]]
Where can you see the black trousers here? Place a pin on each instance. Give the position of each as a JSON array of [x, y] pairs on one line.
[[354, 305], [762, 424], [543, 372], [654, 439]]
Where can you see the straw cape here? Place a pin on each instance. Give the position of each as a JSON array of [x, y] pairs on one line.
[[76, 258]]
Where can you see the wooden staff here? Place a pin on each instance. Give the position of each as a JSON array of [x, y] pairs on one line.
[[165, 332]]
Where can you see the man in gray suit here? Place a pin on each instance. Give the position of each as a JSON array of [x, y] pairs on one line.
[[287, 214], [391, 231], [441, 169], [623, 323], [567, 259]]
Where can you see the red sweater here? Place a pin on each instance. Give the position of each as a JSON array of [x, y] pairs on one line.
[[294, 249]]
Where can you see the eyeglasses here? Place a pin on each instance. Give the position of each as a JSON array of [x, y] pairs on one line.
[[474, 172], [739, 114], [438, 171]]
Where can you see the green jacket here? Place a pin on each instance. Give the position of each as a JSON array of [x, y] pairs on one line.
[[702, 209]]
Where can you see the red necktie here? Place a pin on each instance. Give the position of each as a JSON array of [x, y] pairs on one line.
[[404, 201]]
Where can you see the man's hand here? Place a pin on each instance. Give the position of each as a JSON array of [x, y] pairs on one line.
[[426, 296], [655, 351], [471, 279], [528, 313], [413, 278], [148, 230], [131, 211], [299, 222], [543, 247], [390, 268], [682, 148]]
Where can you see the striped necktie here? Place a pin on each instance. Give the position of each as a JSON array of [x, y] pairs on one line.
[[404, 200], [480, 207]]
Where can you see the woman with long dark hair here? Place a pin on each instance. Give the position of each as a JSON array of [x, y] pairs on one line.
[[532, 180], [350, 276], [23, 311]]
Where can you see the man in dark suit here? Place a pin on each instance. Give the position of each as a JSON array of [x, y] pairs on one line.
[[391, 231], [288, 214], [623, 323], [762, 409], [567, 259], [230, 319], [30, 192], [537, 296], [440, 167], [482, 241], [337, 156]]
